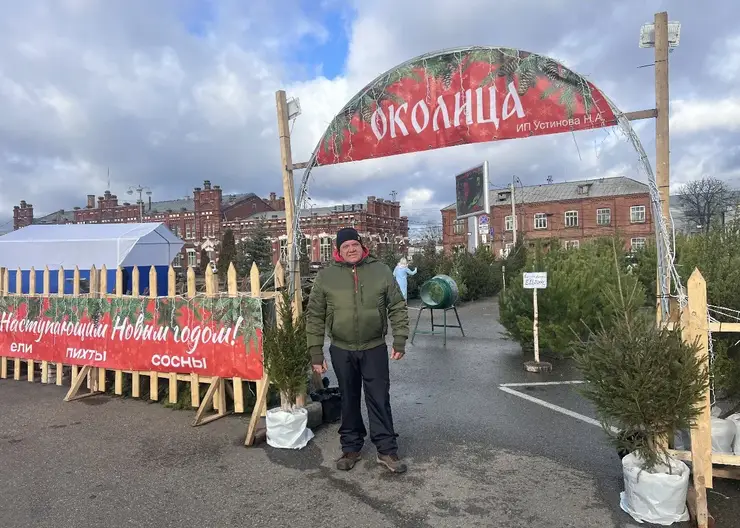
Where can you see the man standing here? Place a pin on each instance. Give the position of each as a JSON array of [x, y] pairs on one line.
[[354, 297]]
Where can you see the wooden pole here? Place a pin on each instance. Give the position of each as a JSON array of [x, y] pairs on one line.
[[662, 145], [286, 160], [695, 323], [536, 328]]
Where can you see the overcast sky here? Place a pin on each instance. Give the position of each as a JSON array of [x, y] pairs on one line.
[[168, 93]]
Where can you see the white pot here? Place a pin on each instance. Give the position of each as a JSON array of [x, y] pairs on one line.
[[723, 434], [735, 418], [288, 429], [658, 497]]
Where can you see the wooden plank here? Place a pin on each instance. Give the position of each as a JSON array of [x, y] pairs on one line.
[[45, 288], [118, 379], [232, 287], [641, 114], [153, 375], [256, 291], [717, 458], [171, 294], [135, 376], [103, 293], [696, 328]]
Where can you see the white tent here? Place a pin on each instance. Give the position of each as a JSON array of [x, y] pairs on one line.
[[87, 245]]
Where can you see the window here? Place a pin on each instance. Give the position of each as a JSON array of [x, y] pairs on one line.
[[637, 214], [572, 244], [540, 221], [509, 223], [571, 219], [188, 230], [192, 258], [284, 250], [460, 227], [603, 217], [177, 262], [325, 249], [637, 243]]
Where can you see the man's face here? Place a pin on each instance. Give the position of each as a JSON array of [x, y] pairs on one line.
[[351, 251]]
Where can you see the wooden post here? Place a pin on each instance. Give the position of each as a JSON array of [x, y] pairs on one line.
[[662, 146], [696, 326], [233, 290], [536, 328], [286, 160], [503, 278], [153, 374], [171, 294], [256, 291]]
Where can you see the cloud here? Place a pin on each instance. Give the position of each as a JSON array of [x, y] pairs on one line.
[[169, 93]]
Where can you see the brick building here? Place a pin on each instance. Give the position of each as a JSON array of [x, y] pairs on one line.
[[378, 221], [201, 220], [571, 212]]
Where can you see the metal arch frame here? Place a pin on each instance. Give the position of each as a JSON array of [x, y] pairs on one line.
[[665, 244]]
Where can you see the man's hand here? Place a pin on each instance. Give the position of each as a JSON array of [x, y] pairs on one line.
[[396, 355], [320, 369]]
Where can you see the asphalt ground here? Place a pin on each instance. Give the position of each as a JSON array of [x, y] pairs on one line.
[[478, 456]]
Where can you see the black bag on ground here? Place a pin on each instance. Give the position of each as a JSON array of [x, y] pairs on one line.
[[331, 403]]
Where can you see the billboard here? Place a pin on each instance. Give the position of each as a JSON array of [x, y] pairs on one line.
[[471, 192]]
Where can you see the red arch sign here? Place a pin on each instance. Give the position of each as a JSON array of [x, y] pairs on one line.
[[456, 97]]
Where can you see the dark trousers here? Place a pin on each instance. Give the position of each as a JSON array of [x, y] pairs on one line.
[[366, 369]]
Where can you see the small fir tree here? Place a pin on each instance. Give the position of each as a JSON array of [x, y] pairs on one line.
[[204, 260], [227, 255], [645, 381], [286, 355], [256, 248]]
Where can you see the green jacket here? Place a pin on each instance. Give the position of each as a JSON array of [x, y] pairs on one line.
[[354, 302]]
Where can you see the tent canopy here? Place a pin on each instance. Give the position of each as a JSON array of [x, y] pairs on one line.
[[87, 245]]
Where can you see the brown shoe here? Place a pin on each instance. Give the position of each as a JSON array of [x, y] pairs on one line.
[[392, 462], [347, 461]]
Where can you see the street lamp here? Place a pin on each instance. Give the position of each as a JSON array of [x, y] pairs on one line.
[[140, 191]]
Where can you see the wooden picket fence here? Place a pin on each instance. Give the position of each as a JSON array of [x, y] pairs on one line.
[[97, 378]]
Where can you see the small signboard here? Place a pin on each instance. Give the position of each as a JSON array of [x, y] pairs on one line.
[[535, 280], [483, 219]]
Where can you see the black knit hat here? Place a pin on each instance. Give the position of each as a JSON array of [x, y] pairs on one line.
[[345, 234]]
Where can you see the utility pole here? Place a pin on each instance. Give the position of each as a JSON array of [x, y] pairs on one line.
[[513, 209], [662, 147], [286, 161]]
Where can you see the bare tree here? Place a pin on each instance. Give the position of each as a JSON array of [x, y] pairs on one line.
[[704, 202], [432, 233]]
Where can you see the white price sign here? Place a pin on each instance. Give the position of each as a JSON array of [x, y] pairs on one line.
[[536, 280]]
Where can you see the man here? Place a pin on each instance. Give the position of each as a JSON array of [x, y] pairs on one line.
[[354, 297]]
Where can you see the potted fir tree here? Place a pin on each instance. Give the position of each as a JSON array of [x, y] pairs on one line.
[[645, 383], [287, 361]]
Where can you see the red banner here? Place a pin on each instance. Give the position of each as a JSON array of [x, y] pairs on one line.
[[469, 96], [210, 336]]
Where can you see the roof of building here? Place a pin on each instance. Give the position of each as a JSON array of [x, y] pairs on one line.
[[556, 192], [57, 217], [186, 204], [313, 211]]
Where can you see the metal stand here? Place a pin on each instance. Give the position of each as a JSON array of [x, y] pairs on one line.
[[444, 324]]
